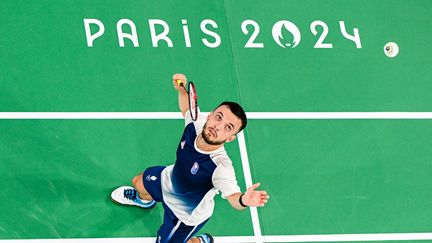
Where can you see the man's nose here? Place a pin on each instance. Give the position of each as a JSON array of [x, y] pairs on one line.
[[216, 127]]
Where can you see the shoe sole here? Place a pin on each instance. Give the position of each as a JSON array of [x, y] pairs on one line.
[[114, 201]]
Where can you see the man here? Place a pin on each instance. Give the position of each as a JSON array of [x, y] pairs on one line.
[[202, 169]]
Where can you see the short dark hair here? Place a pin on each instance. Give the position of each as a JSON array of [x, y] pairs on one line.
[[237, 110]]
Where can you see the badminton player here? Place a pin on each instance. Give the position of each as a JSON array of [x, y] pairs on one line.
[[186, 189]]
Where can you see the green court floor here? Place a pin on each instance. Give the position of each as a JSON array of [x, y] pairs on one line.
[[325, 176], [63, 172]]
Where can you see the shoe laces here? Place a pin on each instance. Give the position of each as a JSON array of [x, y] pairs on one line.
[[130, 194]]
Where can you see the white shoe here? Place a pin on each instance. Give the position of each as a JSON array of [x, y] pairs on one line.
[[128, 195]]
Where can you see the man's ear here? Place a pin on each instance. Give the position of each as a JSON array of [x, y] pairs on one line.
[[208, 116], [232, 138]]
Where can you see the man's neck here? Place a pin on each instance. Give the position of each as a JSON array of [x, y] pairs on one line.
[[204, 146]]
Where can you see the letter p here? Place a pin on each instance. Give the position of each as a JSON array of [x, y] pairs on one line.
[[91, 37]]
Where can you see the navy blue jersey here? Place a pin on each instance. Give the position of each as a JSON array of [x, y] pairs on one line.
[[193, 171], [190, 185]]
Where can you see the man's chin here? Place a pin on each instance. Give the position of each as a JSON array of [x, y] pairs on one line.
[[211, 142]]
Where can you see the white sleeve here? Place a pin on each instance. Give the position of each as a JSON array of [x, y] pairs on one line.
[[199, 123], [224, 180], [188, 117]]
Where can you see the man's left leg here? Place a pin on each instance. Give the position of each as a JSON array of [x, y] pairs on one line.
[[173, 230], [204, 238]]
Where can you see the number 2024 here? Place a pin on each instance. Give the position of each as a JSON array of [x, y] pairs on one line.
[[291, 27]]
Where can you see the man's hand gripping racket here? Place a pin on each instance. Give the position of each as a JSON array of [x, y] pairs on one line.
[[180, 79]]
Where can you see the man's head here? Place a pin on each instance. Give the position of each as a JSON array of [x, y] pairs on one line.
[[224, 123]]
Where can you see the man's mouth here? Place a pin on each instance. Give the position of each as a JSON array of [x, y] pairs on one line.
[[212, 131]]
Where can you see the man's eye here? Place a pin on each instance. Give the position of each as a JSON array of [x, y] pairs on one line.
[[228, 128]]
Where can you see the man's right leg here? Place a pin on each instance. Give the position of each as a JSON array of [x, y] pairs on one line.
[[137, 182], [146, 191], [136, 196]]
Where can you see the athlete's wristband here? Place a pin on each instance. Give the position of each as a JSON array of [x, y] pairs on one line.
[[241, 202]]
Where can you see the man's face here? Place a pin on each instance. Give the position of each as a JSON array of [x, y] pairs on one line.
[[221, 126]]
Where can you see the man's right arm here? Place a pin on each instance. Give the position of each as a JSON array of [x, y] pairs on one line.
[[183, 98]]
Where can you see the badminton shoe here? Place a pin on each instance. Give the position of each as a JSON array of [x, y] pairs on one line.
[[206, 238], [127, 195]]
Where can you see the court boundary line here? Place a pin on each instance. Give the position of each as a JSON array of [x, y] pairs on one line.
[[250, 115], [249, 239], [248, 181]]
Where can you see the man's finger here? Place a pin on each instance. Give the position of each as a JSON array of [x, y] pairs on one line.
[[254, 186]]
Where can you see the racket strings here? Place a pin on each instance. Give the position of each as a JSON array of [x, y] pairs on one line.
[[193, 102]]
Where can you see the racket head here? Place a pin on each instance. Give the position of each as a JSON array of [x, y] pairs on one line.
[[193, 101]]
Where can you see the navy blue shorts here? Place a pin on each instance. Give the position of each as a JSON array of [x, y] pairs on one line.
[[172, 229]]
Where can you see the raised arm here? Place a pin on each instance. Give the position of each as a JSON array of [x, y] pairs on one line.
[[183, 99]]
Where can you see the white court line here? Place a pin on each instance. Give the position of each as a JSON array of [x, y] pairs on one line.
[[349, 237], [250, 239], [250, 115], [339, 115], [91, 115], [248, 180]]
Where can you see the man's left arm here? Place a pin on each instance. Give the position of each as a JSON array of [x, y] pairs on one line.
[[251, 198]]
